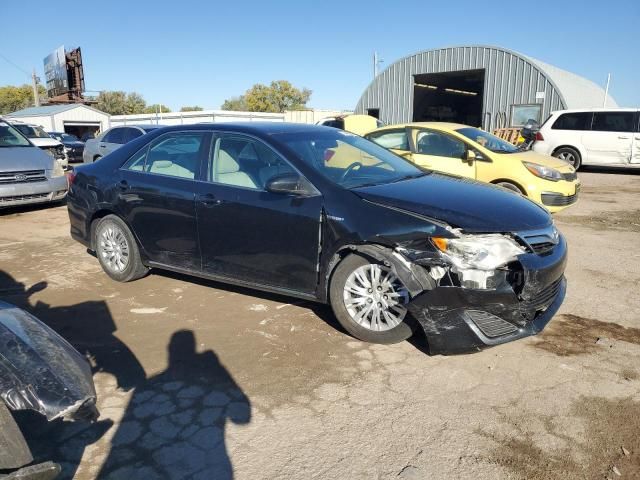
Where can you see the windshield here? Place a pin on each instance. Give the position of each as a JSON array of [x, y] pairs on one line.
[[10, 137], [488, 141], [347, 159], [32, 132]]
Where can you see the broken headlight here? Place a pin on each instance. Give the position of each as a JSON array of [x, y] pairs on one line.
[[476, 258]]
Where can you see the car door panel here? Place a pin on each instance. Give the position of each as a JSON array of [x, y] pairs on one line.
[[256, 236], [446, 153], [610, 139], [156, 193], [161, 211]]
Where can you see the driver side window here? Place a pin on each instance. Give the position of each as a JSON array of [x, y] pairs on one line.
[[439, 144], [244, 162]]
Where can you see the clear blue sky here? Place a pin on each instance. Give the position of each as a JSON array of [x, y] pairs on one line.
[[187, 52]]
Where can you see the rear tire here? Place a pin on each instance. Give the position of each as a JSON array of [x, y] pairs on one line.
[[117, 250], [569, 155], [351, 299]]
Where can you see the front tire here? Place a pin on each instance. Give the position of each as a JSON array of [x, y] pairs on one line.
[[510, 186], [117, 250], [570, 156], [369, 301]]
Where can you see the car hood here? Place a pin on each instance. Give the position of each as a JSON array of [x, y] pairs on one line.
[[40, 371], [540, 159], [45, 142], [461, 203], [14, 159]]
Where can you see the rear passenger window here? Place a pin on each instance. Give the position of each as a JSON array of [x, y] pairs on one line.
[[613, 121], [132, 134], [174, 155], [115, 136], [244, 162], [396, 139], [573, 121]]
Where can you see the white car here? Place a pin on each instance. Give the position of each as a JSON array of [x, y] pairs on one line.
[[43, 140], [607, 137]]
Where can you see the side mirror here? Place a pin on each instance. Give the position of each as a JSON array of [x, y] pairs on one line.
[[470, 156], [290, 184]]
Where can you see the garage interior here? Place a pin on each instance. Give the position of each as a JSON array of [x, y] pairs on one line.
[[449, 97], [82, 129]]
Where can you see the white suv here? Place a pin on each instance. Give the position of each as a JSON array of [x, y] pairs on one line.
[[592, 137]]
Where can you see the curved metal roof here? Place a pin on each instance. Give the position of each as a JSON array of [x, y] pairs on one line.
[[577, 91], [511, 78]]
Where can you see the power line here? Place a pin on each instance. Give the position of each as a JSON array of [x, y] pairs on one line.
[[16, 66]]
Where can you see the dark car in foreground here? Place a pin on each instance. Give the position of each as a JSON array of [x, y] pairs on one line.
[[324, 215], [73, 147], [39, 371]]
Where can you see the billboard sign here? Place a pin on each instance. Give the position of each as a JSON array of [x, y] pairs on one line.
[[55, 71]]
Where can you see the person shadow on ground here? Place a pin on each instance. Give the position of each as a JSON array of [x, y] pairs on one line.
[[174, 425]]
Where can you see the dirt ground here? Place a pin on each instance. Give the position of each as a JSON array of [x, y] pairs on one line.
[[200, 380]]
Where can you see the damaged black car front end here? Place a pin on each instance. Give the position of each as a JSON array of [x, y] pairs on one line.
[[39, 371]]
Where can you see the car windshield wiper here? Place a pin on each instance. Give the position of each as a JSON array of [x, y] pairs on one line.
[[409, 177], [406, 177]]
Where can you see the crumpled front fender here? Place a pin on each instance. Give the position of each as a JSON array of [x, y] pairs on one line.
[[40, 371]]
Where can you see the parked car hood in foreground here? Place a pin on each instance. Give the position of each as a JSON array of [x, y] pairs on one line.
[[460, 202], [40, 371], [13, 159]]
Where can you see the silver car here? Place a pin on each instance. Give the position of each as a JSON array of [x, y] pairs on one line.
[[112, 139], [27, 173]]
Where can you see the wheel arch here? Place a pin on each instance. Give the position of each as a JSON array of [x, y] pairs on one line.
[[104, 212], [413, 277], [512, 182], [572, 147]]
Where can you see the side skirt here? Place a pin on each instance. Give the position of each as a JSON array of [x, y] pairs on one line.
[[240, 283]]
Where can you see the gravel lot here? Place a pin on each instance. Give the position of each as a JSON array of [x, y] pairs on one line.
[[199, 380]]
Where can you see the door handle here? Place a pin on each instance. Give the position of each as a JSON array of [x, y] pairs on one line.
[[123, 185], [623, 137], [209, 200], [103, 146]]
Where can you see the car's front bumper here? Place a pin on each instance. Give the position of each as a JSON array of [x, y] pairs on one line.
[[457, 320], [51, 190]]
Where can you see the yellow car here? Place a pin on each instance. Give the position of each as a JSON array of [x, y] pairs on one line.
[[470, 152]]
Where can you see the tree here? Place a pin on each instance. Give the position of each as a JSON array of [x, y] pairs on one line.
[[120, 103], [192, 109], [157, 108], [237, 104], [277, 97], [16, 98]]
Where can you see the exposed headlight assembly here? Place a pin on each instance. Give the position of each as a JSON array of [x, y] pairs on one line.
[[543, 172], [475, 258], [57, 171]]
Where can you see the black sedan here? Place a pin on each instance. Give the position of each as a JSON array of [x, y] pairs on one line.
[[325, 215], [72, 145]]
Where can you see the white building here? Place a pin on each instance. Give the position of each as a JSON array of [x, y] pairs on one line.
[[74, 118]]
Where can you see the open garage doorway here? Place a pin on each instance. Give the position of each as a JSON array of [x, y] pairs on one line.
[[449, 97], [82, 130]]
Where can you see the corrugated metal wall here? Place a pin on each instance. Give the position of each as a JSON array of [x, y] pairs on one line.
[[509, 80]]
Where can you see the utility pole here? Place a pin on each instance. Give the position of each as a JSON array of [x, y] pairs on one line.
[[34, 81], [606, 91], [376, 61]]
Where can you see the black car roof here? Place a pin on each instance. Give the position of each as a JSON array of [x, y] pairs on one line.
[[257, 128]]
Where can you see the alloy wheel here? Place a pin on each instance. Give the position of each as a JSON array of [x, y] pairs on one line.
[[568, 157], [375, 298], [114, 248]]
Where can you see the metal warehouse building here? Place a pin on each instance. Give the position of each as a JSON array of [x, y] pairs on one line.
[[483, 86]]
